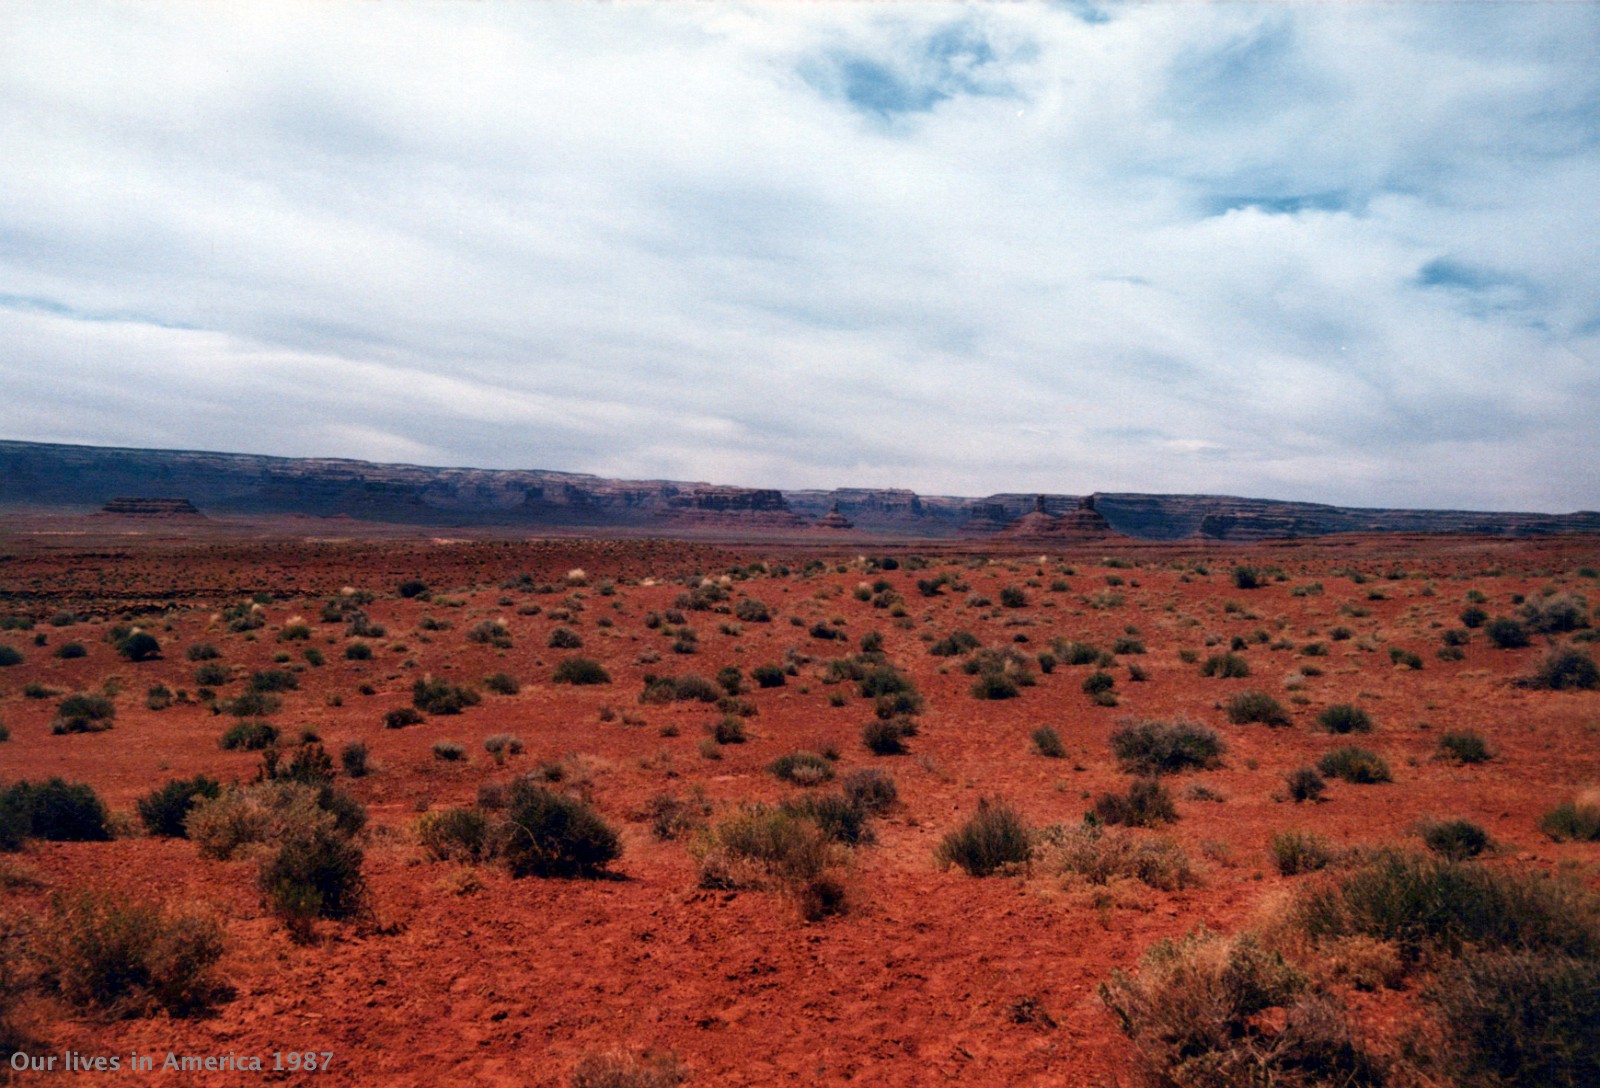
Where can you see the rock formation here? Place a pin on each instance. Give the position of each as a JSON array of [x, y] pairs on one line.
[[833, 519], [151, 508]]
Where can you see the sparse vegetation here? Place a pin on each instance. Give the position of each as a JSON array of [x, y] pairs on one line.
[[1151, 746], [994, 837]]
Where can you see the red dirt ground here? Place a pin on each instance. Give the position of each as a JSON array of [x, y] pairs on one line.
[[497, 981]]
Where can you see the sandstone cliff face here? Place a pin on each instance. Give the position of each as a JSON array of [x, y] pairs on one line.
[[85, 478]]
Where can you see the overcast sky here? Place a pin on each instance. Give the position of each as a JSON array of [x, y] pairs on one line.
[[1331, 252]]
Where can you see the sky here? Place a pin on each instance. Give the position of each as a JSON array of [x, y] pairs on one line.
[[1331, 252]]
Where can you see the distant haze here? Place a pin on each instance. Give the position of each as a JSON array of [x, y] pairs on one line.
[[1326, 252]]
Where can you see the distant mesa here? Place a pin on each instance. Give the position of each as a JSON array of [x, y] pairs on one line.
[[833, 519], [151, 508], [1081, 523]]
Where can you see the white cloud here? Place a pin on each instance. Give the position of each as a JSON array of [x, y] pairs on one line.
[[961, 249]]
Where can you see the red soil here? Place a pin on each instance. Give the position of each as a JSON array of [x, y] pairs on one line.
[[920, 982]]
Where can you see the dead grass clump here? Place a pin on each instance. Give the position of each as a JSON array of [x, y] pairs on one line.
[[1146, 804], [1102, 854], [774, 848], [629, 1069]]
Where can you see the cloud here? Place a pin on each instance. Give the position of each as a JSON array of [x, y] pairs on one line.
[[1310, 252]]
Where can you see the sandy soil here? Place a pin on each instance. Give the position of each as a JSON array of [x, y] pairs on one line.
[[478, 978]]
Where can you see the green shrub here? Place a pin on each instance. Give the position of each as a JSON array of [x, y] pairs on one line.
[[353, 757], [548, 834], [1153, 746], [212, 674], [252, 704], [840, 818], [202, 651], [1047, 742], [1564, 669], [83, 713], [1295, 852], [249, 736], [1465, 747], [994, 685], [1357, 765], [315, 872], [310, 765], [1455, 839], [1247, 577], [71, 651], [887, 736], [163, 811], [768, 676], [995, 836], [750, 610], [1344, 718], [401, 717], [449, 751], [127, 956], [1227, 666], [1408, 658], [1305, 784], [57, 811], [139, 646], [1097, 682], [1506, 634], [1519, 1018], [1146, 804], [801, 768], [441, 697], [456, 834], [580, 671], [1556, 614], [1573, 821], [565, 638], [1257, 706], [1076, 653], [1427, 904], [759, 846], [1473, 617], [358, 651], [870, 789], [954, 644], [1196, 1013], [273, 680]]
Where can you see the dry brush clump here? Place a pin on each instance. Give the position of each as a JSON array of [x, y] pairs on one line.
[[761, 847]]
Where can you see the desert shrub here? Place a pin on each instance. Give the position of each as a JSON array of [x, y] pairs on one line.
[[549, 834], [801, 768], [1257, 706], [994, 685], [139, 646], [1127, 644], [412, 587], [1573, 821], [1357, 765], [1196, 1015], [731, 680], [249, 736], [1013, 597], [1047, 742], [1519, 1018], [881, 680], [212, 674], [1455, 839], [71, 651], [1098, 681], [628, 1069], [1466, 746], [750, 610], [1228, 666], [358, 651], [1146, 804], [258, 813], [500, 745], [315, 872], [1099, 854], [449, 751], [1305, 784], [1410, 659], [1247, 577], [1076, 653], [1564, 669], [1506, 634], [1430, 904], [672, 817], [353, 757], [82, 713], [1455, 636], [1344, 718], [1556, 614], [129, 957], [163, 811], [273, 680], [441, 697], [768, 676], [994, 836], [887, 736], [55, 810], [761, 847], [1295, 852], [310, 765], [839, 817], [1154, 746], [9, 656], [1473, 617], [494, 633], [456, 834], [727, 729], [251, 704], [202, 651], [564, 638], [871, 789]]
